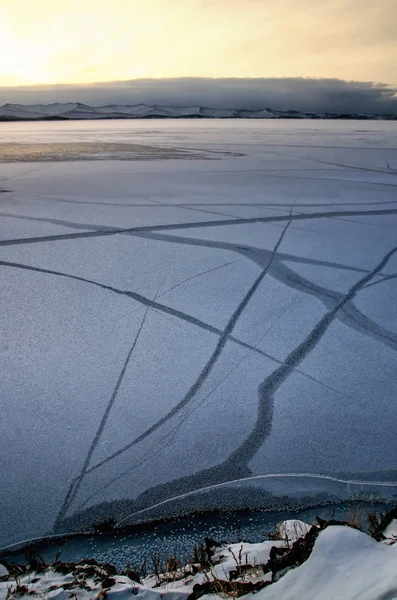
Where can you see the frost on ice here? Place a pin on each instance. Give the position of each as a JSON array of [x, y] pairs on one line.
[[171, 326]]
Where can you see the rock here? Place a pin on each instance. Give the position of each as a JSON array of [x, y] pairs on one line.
[[210, 543], [275, 552], [234, 589], [298, 554], [378, 532], [133, 575], [108, 582]]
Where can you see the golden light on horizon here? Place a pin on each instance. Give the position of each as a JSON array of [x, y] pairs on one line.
[[20, 66], [66, 41]]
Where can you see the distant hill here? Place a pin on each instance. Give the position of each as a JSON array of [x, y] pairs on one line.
[[77, 111]]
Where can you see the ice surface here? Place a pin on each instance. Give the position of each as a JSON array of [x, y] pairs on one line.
[[171, 325]]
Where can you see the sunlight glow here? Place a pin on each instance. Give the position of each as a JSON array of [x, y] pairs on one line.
[[65, 41], [19, 64]]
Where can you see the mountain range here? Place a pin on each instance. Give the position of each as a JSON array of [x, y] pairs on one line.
[[77, 111]]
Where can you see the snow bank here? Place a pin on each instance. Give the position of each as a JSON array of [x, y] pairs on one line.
[[243, 555], [55, 586], [345, 564]]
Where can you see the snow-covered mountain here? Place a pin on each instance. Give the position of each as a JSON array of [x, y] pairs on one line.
[[76, 110]]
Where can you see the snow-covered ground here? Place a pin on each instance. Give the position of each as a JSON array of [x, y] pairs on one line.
[[340, 562], [169, 326]]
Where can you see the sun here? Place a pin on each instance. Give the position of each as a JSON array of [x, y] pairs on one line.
[[21, 62]]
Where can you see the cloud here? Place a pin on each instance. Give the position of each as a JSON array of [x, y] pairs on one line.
[[293, 93]]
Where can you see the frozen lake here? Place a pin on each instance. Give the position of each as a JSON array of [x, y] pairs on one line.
[[189, 307]]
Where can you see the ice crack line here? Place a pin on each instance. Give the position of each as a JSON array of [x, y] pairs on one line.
[[272, 383], [206, 369], [194, 225], [260, 477]]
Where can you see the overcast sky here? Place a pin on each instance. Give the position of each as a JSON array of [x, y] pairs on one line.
[[79, 41]]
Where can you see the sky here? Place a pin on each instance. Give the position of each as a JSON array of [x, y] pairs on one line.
[[84, 41]]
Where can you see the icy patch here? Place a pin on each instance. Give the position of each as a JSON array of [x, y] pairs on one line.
[[19, 152]]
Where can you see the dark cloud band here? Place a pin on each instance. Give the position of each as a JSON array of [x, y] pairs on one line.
[[308, 95]]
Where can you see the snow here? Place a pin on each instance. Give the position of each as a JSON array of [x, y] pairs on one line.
[[3, 571], [292, 529], [242, 554], [345, 564], [390, 532], [51, 584], [80, 292]]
